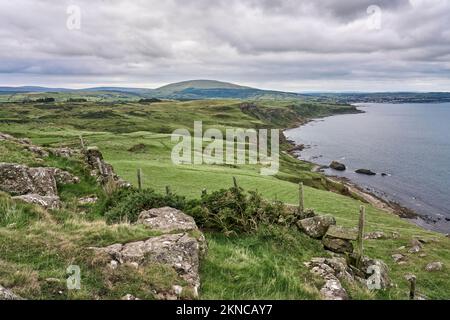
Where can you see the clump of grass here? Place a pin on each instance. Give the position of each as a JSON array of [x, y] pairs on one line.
[[267, 264], [16, 214], [138, 148], [142, 283]]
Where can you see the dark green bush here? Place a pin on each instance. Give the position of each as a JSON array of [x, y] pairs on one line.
[[230, 211], [127, 204], [234, 211]]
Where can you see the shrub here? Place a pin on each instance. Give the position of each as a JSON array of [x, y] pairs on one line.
[[125, 205], [233, 211], [230, 211]]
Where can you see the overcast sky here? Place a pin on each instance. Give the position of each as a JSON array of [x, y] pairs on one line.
[[295, 45]]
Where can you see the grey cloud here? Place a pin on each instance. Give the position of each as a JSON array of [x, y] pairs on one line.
[[286, 42]]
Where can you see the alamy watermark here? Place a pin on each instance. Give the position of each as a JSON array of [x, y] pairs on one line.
[[73, 21], [74, 277], [374, 21], [235, 147]]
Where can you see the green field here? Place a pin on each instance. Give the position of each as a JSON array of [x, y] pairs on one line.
[[265, 265]]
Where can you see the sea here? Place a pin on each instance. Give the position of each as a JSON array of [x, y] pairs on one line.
[[407, 145]]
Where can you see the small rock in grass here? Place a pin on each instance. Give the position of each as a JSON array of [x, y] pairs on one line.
[[113, 264], [178, 290], [434, 266], [415, 249], [88, 200], [6, 294], [375, 235], [416, 246], [47, 202], [333, 290], [398, 258], [395, 235], [416, 242]]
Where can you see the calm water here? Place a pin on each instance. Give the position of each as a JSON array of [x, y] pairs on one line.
[[410, 142]]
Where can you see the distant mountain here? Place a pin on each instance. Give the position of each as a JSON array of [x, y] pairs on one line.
[[186, 90], [30, 89], [198, 84], [138, 91], [212, 89]]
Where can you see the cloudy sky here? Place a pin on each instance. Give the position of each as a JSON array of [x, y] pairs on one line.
[[295, 45]]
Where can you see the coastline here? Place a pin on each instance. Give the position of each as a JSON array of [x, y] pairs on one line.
[[357, 191]]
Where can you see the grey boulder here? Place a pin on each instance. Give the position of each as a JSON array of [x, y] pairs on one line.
[[316, 227], [179, 251], [6, 294], [47, 202], [337, 245], [167, 220]]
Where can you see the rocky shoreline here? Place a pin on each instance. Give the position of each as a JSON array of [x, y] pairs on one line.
[[377, 201]]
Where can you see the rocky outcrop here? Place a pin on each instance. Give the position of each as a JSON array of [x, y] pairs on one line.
[[375, 271], [167, 220], [101, 169], [337, 245], [181, 251], [34, 185], [6, 294], [64, 177], [335, 165], [63, 152], [316, 227], [27, 144], [367, 172], [18, 180], [94, 158], [47, 202], [39, 151], [336, 269], [332, 271], [338, 239]]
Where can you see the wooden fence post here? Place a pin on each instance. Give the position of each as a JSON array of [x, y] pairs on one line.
[[235, 183], [139, 177], [83, 147], [301, 199], [412, 291], [362, 218]]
